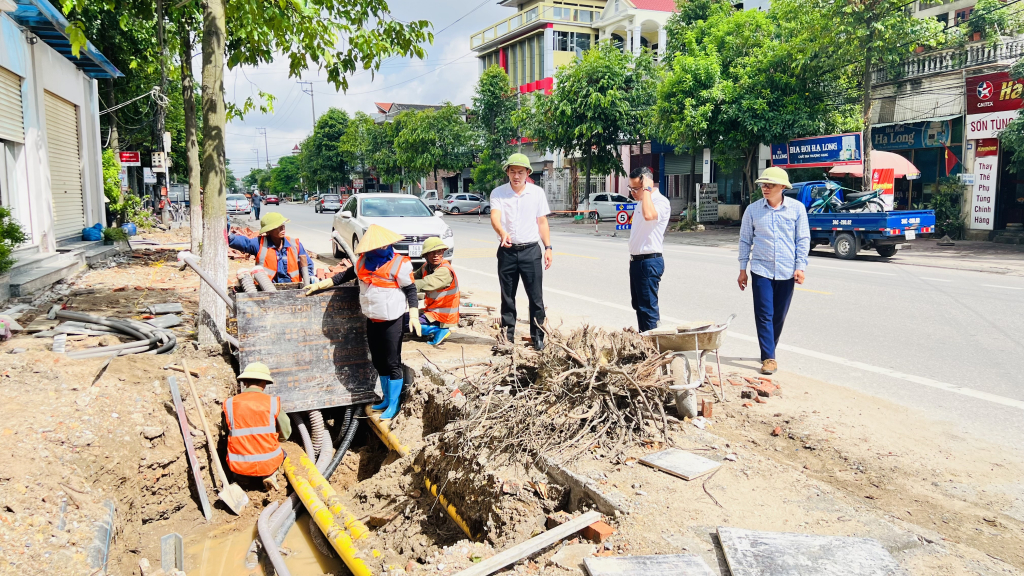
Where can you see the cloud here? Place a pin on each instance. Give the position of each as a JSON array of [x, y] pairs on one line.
[[449, 72]]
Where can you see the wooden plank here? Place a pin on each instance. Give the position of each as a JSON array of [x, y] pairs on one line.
[[661, 565], [531, 546], [315, 346], [753, 553], [190, 449], [679, 463]]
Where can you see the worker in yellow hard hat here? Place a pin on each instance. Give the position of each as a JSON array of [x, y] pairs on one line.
[[278, 254], [254, 447], [387, 293], [436, 279]]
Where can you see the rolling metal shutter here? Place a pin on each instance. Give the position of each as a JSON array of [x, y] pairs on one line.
[[679, 164], [12, 123], [65, 166]]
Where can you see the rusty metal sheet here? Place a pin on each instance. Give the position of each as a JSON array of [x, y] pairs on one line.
[[315, 346]]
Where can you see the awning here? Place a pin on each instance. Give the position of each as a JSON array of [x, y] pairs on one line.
[[46, 22], [936, 119], [902, 168]]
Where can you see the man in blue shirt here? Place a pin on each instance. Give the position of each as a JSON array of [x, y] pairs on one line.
[[275, 252], [256, 201], [774, 240]]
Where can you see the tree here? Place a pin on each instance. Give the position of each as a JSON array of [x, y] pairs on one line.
[[355, 144], [734, 86], [432, 140], [600, 102], [254, 177], [855, 38], [324, 163], [383, 156], [494, 107], [285, 177]]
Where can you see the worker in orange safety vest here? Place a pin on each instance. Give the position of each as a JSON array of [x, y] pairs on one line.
[[437, 280], [278, 254], [387, 296], [256, 426]]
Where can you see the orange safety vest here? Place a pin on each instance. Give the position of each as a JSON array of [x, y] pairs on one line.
[[384, 277], [267, 258], [253, 447], [443, 304]]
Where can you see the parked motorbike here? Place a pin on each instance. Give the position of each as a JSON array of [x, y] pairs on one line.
[[856, 202]]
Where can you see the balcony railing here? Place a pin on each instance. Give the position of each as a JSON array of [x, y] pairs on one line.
[[546, 12], [1007, 50]]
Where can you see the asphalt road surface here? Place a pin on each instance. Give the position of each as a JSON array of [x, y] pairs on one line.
[[948, 342]]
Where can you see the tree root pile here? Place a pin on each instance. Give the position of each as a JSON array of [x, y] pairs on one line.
[[588, 388]]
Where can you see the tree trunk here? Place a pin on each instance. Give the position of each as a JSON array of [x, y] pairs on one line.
[[586, 180], [692, 187], [188, 96], [212, 313], [866, 136], [748, 180], [438, 187], [115, 145]]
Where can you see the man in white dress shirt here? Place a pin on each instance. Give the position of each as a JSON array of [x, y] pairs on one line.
[[646, 241], [519, 215]]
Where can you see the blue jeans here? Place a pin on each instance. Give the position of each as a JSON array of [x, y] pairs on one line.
[[771, 304], [644, 278], [256, 212]]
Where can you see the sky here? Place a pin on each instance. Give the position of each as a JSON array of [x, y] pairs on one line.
[[449, 72]]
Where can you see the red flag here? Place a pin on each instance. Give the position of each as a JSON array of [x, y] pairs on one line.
[[951, 160]]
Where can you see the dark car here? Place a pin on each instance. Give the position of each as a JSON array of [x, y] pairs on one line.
[[271, 199]]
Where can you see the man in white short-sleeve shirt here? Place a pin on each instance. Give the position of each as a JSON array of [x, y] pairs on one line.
[[519, 216], [646, 241]]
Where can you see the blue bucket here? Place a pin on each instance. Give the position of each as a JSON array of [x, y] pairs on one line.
[[130, 229]]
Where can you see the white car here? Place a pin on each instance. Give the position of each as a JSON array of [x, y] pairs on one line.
[[431, 199], [402, 213], [238, 205], [603, 206]]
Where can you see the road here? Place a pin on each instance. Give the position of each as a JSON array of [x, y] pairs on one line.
[[948, 342]]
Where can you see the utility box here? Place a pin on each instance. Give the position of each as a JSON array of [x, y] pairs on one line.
[[315, 346]]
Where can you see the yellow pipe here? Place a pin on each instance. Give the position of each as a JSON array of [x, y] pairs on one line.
[[323, 517], [384, 433], [330, 497], [449, 508]]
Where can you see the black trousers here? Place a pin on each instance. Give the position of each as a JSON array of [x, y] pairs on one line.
[[527, 264], [385, 340]]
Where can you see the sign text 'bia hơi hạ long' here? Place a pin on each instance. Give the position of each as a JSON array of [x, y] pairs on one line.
[[818, 151]]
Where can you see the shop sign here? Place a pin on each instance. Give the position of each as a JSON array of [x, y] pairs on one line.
[[130, 158], [883, 179], [983, 198], [966, 179], [988, 125], [987, 147], [148, 176], [993, 93], [123, 177], [818, 151], [910, 136]]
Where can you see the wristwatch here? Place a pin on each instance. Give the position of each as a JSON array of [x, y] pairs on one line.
[[548, 248]]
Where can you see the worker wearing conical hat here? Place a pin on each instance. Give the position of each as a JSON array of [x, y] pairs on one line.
[[387, 292], [278, 254]]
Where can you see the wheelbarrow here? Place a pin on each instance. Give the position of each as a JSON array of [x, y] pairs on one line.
[[700, 337]]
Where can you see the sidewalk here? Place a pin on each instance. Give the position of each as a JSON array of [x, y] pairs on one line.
[[964, 255]]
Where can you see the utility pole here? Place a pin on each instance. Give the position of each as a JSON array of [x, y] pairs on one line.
[[312, 104], [266, 147], [161, 110], [257, 151]]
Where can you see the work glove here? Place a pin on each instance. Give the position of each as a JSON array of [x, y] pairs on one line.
[[321, 285], [414, 321]]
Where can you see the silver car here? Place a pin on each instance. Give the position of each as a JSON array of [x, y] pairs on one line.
[[328, 203], [466, 204], [238, 205], [604, 206]]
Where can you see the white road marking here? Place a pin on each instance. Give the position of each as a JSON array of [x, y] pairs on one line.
[[937, 279], [852, 270], [994, 398], [1004, 287]]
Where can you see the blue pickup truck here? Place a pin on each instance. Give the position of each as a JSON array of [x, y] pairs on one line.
[[850, 232]]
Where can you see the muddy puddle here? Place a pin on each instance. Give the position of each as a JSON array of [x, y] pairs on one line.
[[222, 553]]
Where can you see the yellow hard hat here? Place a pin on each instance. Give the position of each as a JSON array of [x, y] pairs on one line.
[[774, 175], [271, 221], [517, 159], [256, 371], [433, 243], [377, 237]]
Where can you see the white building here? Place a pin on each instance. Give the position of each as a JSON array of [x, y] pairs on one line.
[[51, 173]]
